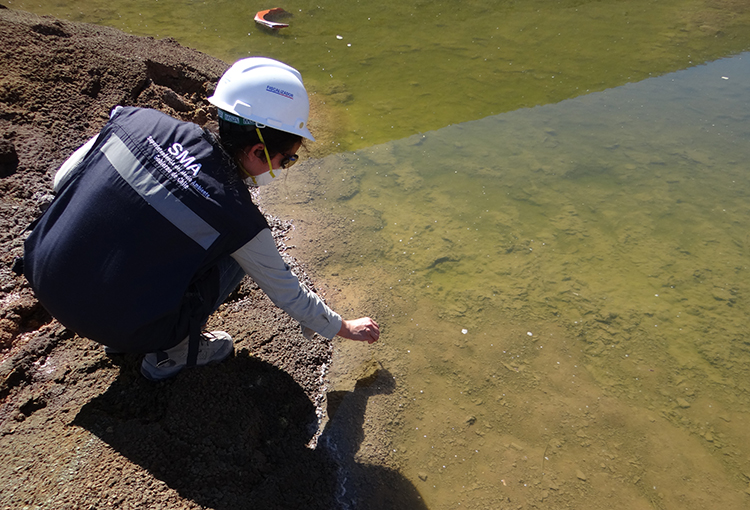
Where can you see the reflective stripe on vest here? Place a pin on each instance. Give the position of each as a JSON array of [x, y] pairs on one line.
[[154, 192]]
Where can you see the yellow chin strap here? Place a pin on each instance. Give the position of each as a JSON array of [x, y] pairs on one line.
[[268, 158]]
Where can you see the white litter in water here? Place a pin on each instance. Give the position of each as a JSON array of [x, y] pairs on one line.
[[530, 333], [339, 37], [725, 77], [464, 331]]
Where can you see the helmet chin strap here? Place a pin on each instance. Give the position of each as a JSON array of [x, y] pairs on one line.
[[268, 158], [248, 174]]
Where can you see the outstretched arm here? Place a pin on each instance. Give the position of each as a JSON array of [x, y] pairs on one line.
[[363, 329], [262, 261]]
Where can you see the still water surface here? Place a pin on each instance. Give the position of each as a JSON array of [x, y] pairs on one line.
[[390, 69], [564, 294], [562, 288]]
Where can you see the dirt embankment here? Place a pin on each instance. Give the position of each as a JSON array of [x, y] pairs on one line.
[[81, 430]]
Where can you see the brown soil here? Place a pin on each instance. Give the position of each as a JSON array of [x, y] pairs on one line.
[[79, 429]]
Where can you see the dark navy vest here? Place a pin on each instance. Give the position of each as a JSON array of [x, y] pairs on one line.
[[126, 254]]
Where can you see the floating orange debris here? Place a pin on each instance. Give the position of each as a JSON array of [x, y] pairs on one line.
[[261, 18]]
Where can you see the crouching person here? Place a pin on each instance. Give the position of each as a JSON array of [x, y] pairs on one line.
[[153, 225]]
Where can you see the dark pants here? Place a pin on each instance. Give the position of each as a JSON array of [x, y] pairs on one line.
[[220, 280], [230, 276]]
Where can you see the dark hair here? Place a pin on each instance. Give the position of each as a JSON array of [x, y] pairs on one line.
[[235, 138]]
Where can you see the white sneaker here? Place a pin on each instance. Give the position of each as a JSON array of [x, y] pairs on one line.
[[213, 347]]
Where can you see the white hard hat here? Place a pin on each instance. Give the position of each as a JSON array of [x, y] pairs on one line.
[[266, 92]]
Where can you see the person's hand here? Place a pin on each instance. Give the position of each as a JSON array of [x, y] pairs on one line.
[[363, 329]]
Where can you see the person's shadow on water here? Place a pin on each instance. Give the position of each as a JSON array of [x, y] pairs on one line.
[[364, 486], [234, 436]]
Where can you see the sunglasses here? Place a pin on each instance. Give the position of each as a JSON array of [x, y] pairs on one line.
[[286, 162]]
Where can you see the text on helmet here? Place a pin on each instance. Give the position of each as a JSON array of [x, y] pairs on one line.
[[280, 92]]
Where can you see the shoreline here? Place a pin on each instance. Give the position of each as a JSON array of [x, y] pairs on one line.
[[78, 428]]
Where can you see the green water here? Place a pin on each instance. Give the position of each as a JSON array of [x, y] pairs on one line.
[[391, 69], [562, 288], [563, 291]]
